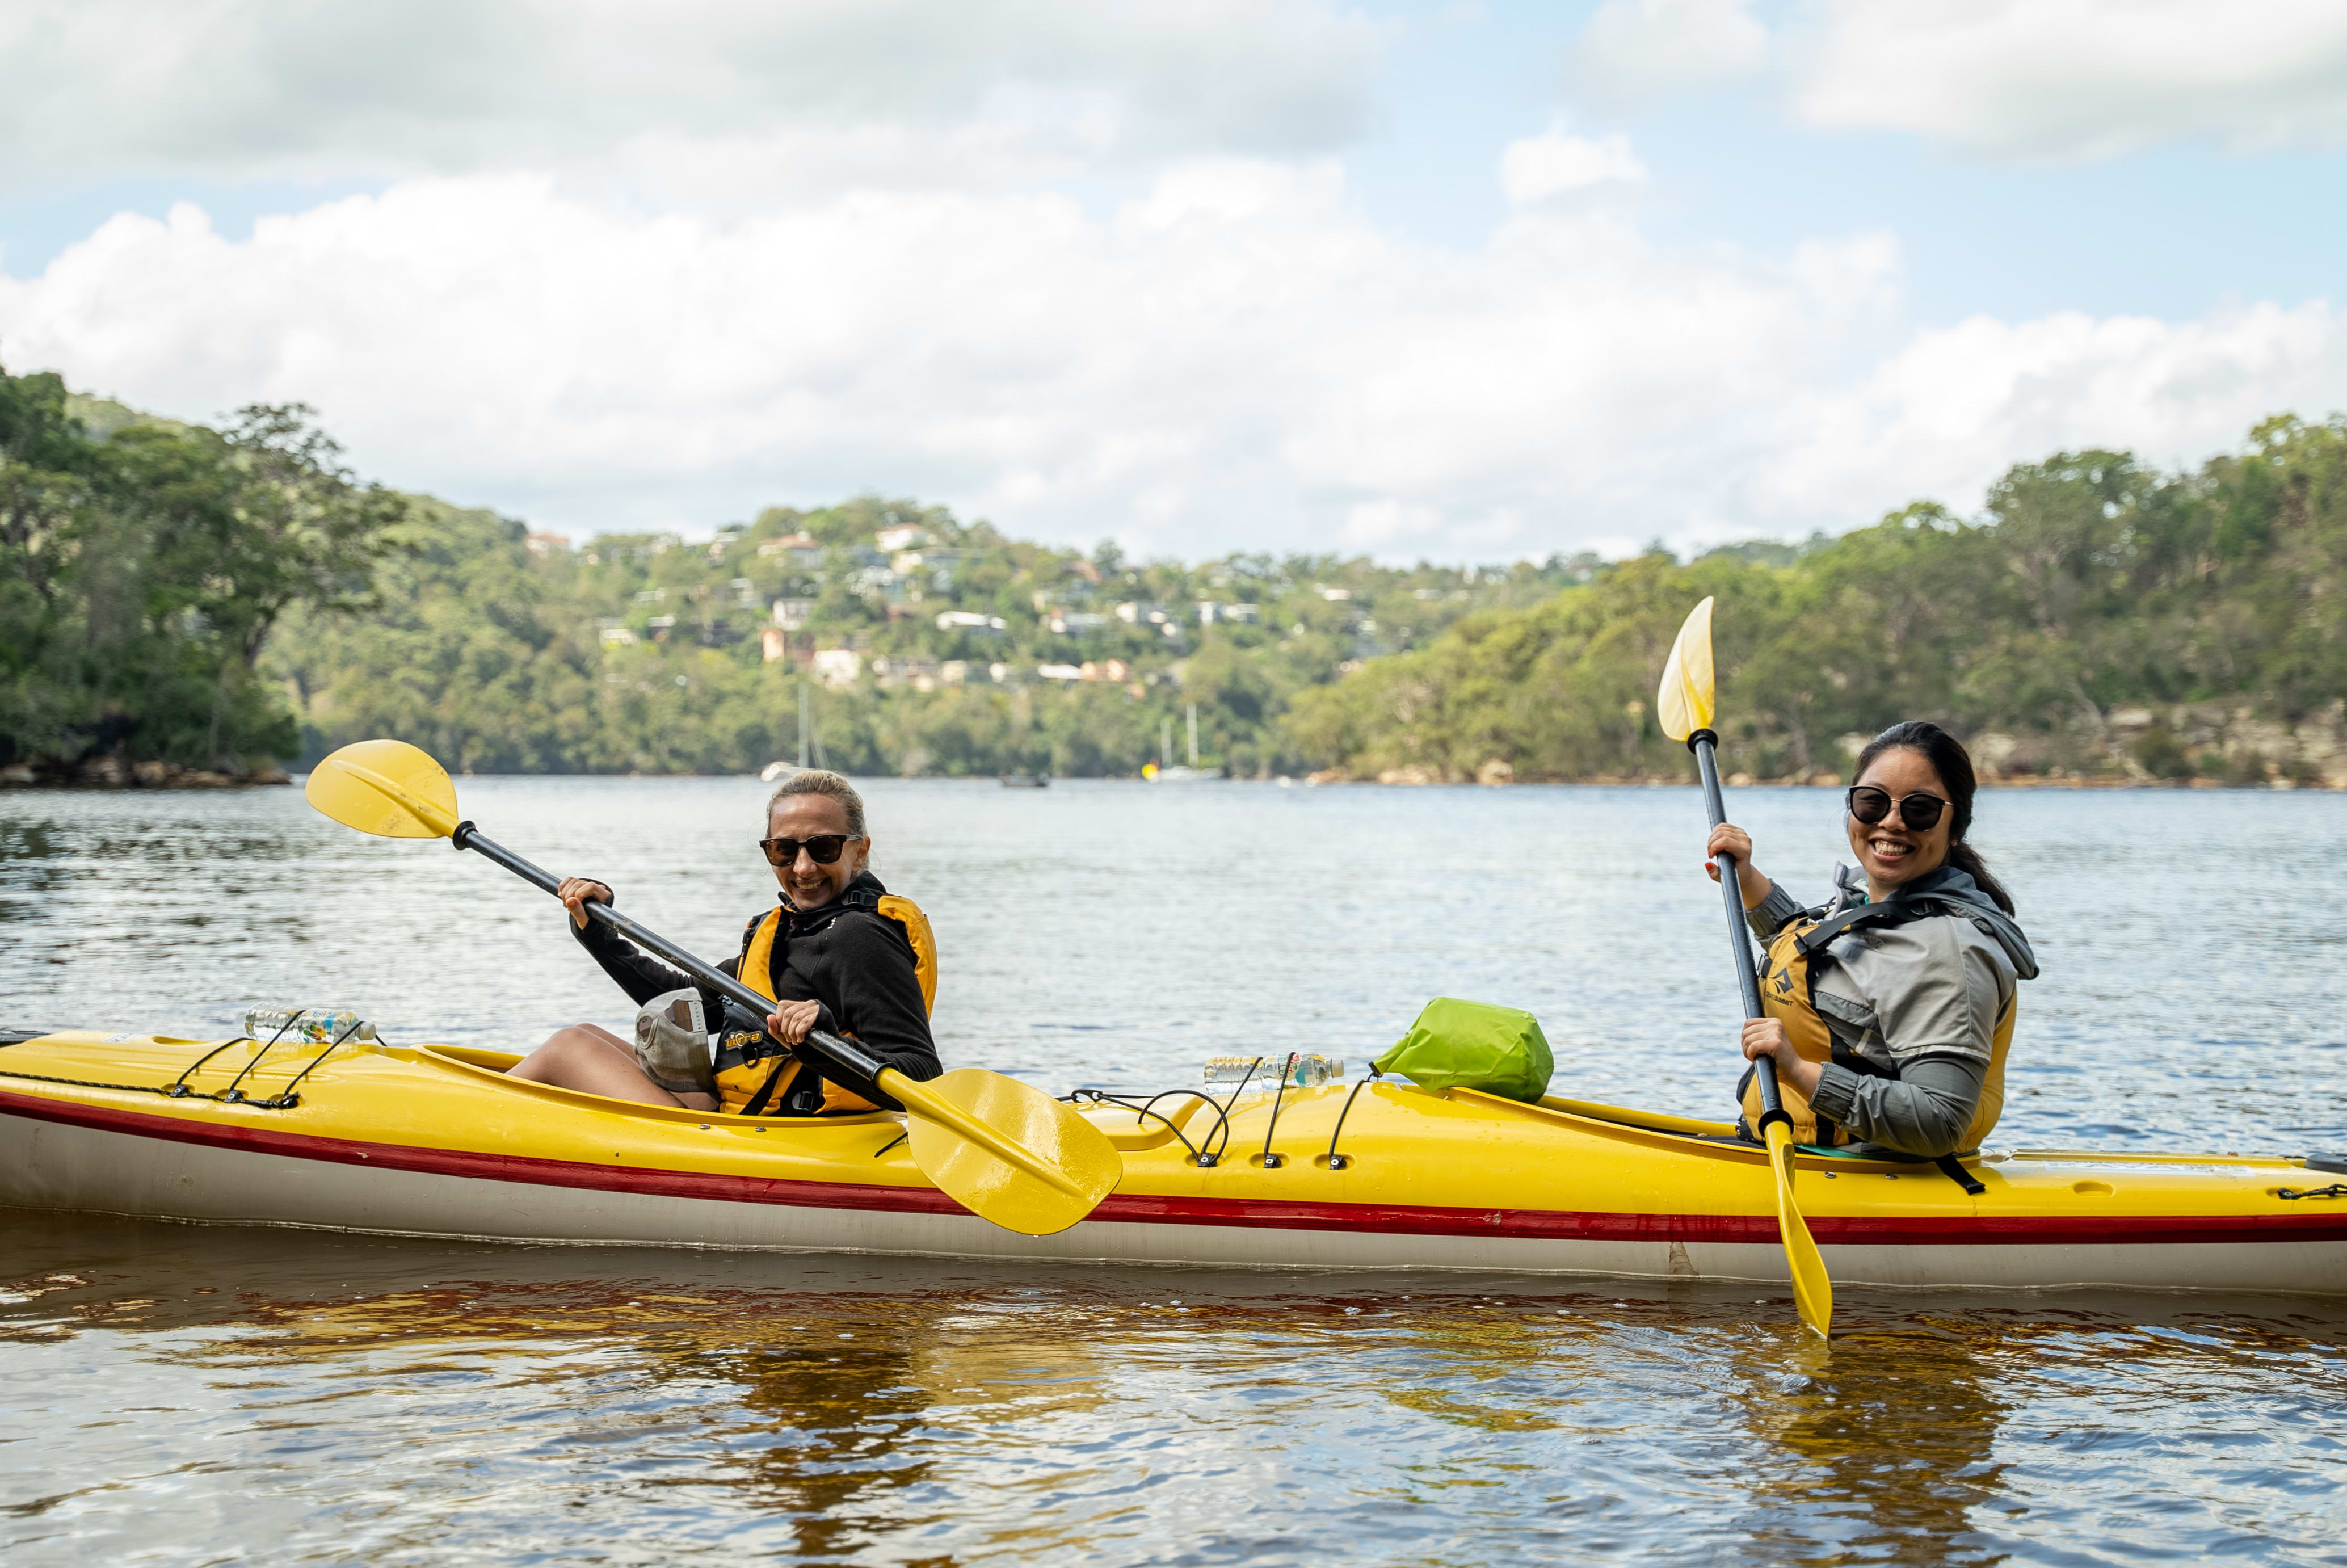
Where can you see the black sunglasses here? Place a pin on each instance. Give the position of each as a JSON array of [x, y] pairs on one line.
[[1919, 810], [823, 848]]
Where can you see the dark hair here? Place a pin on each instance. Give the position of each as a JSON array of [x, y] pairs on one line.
[[1955, 765]]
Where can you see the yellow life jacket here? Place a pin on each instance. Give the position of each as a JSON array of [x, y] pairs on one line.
[[1787, 995], [763, 1078]]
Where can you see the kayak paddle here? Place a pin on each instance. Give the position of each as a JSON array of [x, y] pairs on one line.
[[1684, 709], [1003, 1150]]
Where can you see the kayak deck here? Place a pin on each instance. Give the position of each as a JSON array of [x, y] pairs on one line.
[[438, 1141]]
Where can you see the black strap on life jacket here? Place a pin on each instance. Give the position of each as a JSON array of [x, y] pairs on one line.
[[1954, 1169], [756, 1105], [748, 1043], [1888, 913], [1867, 1067]]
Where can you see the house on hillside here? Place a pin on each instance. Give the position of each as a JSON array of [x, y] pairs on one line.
[[803, 552], [971, 621]]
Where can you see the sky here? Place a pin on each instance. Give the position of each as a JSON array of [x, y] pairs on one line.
[[1465, 280]]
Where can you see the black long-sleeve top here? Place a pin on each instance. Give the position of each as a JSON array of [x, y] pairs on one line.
[[847, 957]]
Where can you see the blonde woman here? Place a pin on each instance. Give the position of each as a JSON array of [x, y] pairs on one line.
[[840, 953]]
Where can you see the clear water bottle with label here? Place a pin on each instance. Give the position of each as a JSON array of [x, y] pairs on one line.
[[316, 1026], [1304, 1072]]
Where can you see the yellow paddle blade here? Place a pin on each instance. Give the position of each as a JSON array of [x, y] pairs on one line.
[[388, 788], [1684, 704], [1007, 1151], [1812, 1286]]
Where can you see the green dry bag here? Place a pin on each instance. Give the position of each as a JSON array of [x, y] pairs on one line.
[[1473, 1045]]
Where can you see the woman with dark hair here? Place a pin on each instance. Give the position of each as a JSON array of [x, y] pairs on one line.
[[841, 954], [1890, 1006]]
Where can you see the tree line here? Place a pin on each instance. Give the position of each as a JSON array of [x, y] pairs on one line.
[[147, 566], [2098, 620], [179, 600]]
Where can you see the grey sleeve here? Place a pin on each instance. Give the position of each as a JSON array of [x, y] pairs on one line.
[[1926, 1112], [1934, 989], [1768, 916]]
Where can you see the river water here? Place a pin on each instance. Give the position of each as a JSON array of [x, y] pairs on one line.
[[181, 1394]]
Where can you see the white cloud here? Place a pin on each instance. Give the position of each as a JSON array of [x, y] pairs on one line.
[[1632, 52], [1555, 164], [268, 88], [1954, 407], [2079, 79], [1235, 358]]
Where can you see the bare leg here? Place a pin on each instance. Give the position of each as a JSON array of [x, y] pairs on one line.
[[594, 1060]]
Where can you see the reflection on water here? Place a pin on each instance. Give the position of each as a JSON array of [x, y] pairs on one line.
[[177, 1394], [1884, 1445], [182, 1394]]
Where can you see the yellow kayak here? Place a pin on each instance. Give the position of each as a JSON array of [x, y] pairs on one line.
[[438, 1142]]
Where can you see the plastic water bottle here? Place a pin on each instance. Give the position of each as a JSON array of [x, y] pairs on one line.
[[1304, 1072], [318, 1026]]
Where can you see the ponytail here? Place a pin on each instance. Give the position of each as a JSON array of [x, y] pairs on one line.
[[1955, 765], [1967, 859]]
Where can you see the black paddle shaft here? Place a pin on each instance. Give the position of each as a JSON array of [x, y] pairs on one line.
[[1772, 1106], [842, 1057]]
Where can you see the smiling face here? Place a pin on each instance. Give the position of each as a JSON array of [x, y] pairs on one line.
[[1890, 852], [807, 885]]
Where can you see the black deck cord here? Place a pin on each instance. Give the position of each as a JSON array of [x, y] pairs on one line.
[[1272, 1162], [2335, 1190], [180, 1090], [1150, 1108], [231, 1094], [892, 1142], [177, 1088], [1199, 1151], [1102, 1096], [94, 1083], [1339, 1161], [286, 1099], [1223, 1117]]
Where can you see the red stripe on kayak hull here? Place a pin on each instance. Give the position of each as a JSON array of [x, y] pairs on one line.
[[1522, 1224]]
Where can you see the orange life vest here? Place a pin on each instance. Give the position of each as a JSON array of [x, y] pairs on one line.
[[753, 1070]]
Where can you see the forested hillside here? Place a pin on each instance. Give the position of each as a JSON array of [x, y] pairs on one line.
[[2097, 621], [952, 650], [143, 568], [179, 599]]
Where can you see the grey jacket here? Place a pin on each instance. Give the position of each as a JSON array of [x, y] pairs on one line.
[[1920, 1000]]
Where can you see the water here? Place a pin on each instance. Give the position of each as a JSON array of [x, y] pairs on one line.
[[181, 1394]]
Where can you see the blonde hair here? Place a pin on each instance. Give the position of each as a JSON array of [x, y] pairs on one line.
[[816, 781]]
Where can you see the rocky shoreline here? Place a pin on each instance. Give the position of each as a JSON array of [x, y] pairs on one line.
[[113, 772], [2205, 746]]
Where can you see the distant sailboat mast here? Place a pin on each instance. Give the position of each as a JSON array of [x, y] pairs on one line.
[[1163, 771]]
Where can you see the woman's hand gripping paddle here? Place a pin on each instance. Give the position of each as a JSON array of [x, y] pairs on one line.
[[1005, 1152], [1684, 709]]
